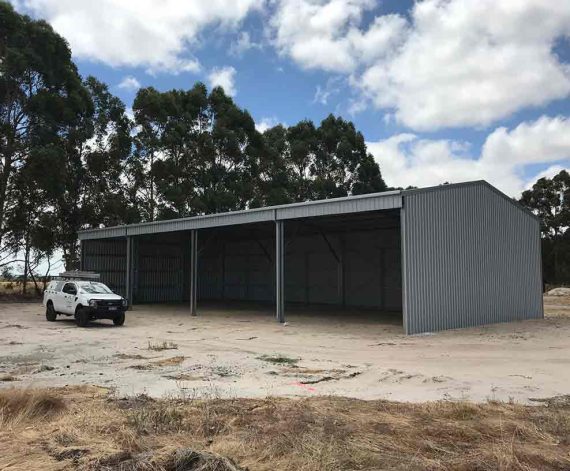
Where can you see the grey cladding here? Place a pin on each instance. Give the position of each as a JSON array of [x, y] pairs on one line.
[[470, 257], [444, 257]]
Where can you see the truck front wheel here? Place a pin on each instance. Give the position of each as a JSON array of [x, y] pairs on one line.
[[120, 319], [51, 315], [81, 316]]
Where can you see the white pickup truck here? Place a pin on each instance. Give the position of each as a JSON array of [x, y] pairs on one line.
[[85, 300]]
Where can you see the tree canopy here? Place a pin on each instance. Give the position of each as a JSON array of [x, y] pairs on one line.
[[71, 157], [549, 199]]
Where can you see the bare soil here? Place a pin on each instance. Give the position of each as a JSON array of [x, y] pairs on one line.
[[195, 369], [231, 353]]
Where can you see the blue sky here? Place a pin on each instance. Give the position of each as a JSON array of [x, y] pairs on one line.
[[449, 90]]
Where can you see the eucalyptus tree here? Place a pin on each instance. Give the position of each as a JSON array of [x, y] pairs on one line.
[[305, 162], [342, 164], [549, 199], [275, 174], [40, 91], [196, 153]]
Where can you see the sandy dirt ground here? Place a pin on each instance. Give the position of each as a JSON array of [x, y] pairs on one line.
[[161, 351]]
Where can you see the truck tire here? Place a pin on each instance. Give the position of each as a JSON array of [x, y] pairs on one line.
[[120, 319], [81, 316], [51, 315]]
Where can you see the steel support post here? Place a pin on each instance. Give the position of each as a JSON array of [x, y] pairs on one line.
[[193, 271], [129, 272], [81, 255], [342, 271], [279, 271]]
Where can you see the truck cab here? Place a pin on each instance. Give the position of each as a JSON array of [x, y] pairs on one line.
[[85, 299]]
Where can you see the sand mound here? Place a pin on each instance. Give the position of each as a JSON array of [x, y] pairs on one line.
[[559, 292]]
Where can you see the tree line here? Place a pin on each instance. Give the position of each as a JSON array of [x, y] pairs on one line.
[[72, 157], [549, 199]]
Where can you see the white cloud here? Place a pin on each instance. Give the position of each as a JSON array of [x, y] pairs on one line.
[[406, 159], [145, 33], [223, 77], [472, 62], [325, 34], [448, 63], [130, 83], [453, 63], [266, 123]]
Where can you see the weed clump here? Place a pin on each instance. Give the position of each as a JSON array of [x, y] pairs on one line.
[[28, 405], [160, 346], [278, 359]]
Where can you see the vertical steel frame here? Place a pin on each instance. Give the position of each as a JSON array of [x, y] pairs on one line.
[[280, 271], [193, 271], [342, 271], [81, 255], [404, 269], [129, 278]]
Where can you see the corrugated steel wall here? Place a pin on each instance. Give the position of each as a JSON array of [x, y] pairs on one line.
[[236, 270], [245, 271], [160, 266], [470, 257], [161, 269], [109, 258]]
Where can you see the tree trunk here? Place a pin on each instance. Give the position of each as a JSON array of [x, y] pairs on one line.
[[4, 176], [26, 265]]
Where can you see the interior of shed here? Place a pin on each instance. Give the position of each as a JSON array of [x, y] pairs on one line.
[[332, 265]]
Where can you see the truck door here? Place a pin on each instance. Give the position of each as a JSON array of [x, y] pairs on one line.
[[56, 296], [68, 293]]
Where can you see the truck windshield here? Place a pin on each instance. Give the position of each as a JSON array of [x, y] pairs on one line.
[[95, 288]]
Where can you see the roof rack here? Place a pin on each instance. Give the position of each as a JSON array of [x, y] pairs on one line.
[[78, 275]]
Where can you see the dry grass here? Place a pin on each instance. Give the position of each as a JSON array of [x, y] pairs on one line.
[[25, 405], [11, 291], [127, 356], [7, 287], [85, 428], [173, 361]]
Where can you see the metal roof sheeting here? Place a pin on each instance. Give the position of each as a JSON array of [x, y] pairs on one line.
[[350, 204]]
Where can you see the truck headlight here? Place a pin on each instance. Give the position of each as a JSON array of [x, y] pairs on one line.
[[92, 303], [125, 302]]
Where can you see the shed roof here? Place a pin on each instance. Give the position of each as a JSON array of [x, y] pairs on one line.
[[327, 207]]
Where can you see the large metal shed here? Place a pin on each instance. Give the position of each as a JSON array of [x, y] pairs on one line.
[[443, 257]]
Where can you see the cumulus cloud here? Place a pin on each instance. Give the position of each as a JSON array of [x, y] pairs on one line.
[[472, 62], [223, 77], [156, 35], [325, 35], [406, 159], [446, 63], [452, 63], [130, 84]]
